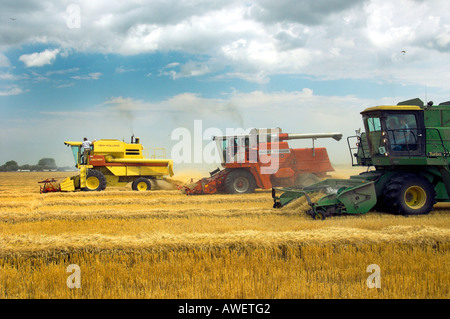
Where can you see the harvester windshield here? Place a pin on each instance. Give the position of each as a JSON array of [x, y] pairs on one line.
[[394, 132], [374, 134], [76, 150], [232, 149], [76, 153]]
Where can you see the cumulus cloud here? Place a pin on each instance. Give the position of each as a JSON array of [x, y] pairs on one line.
[[38, 59], [252, 40], [303, 12], [191, 69]]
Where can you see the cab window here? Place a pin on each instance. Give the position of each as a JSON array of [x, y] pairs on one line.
[[374, 124], [401, 121]]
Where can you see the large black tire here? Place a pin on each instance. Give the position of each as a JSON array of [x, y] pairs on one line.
[[95, 181], [141, 184], [409, 194], [240, 181]]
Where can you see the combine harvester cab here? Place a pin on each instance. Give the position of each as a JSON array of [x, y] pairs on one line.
[[408, 147], [263, 159], [115, 163]]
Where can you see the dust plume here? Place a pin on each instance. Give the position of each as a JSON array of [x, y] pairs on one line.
[[234, 113]]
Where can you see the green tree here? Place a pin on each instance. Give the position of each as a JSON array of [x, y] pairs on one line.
[[11, 166], [47, 163]]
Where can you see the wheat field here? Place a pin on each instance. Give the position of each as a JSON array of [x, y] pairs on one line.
[[163, 244]]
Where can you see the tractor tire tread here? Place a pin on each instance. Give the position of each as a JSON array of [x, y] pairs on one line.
[[101, 178], [393, 194], [138, 180], [235, 173]]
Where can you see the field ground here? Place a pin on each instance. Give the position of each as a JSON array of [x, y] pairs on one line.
[[164, 244]]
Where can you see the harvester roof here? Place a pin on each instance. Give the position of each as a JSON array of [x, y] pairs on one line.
[[392, 108], [68, 143]]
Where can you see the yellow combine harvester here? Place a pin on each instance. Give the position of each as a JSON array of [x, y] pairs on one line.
[[114, 163]]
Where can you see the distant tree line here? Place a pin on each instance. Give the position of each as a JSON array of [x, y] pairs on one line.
[[44, 164]]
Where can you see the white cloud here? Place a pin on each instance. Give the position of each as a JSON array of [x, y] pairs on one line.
[[62, 71], [8, 76], [191, 69], [260, 77], [66, 85], [11, 90], [124, 70], [4, 61], [90, 76], [172, 65], [38, 59], [253, 40]]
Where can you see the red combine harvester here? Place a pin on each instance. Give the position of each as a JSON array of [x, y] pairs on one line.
[[263, 159]]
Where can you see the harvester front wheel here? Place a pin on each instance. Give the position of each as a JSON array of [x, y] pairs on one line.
[[141, 184], [95, 181], [319, 215], [409, 194], [240, 181]]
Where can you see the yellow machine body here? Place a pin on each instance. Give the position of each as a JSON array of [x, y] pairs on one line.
[[115, 163]]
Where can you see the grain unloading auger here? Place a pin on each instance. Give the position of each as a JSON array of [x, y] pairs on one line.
[[263, 159], [408, 146], [112, 163]]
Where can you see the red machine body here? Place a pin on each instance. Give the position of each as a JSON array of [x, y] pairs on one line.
[[263, 160]]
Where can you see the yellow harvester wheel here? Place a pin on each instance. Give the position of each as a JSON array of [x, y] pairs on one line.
[[92, 183], [95, 181], [415, 197], [141, 184], [409, 194]]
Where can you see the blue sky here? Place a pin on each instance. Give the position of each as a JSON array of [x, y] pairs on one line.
[[110, 69]]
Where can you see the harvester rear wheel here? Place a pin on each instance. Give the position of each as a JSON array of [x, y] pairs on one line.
[[240, 181], [141, 184], [95, 181], [409, 194]]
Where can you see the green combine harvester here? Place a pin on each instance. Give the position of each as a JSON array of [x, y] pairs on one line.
[[407, 145]]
